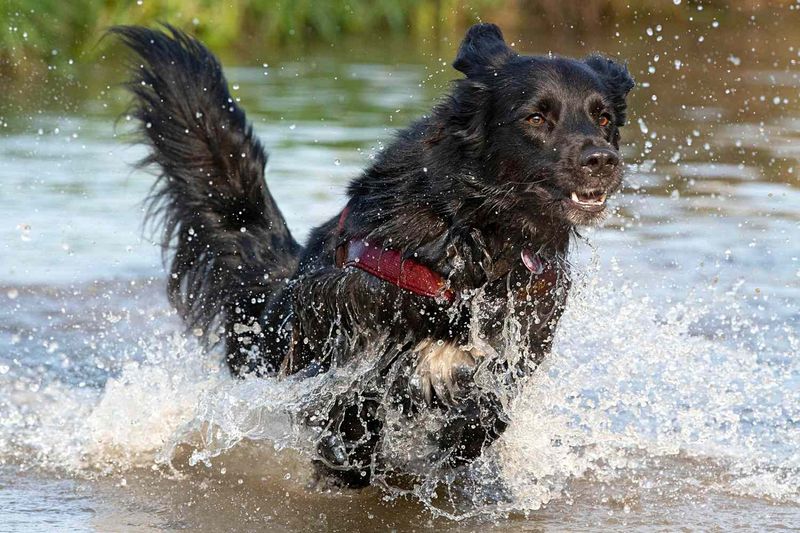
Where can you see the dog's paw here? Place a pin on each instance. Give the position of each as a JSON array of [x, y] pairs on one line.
[[443, 370]]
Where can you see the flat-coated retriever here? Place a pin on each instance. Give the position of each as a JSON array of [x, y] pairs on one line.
[[452, 245]]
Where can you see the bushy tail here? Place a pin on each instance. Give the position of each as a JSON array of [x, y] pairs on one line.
[[230, 243]]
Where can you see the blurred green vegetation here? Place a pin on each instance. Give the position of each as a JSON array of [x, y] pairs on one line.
[[41, 31], [38, 29]]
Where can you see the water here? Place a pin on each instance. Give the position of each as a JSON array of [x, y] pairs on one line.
[[672, 398]]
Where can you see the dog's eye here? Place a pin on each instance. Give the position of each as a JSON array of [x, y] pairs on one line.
[[537, 119], [604, 120]]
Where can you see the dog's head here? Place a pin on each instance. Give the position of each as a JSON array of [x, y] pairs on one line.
[[545, 129]]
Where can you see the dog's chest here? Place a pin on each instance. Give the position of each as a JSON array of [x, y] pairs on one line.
[[528, 302]]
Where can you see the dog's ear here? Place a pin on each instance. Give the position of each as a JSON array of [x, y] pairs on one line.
[[483, 49], [617, 80]]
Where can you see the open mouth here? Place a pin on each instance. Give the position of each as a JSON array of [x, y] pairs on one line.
[[593, 200]]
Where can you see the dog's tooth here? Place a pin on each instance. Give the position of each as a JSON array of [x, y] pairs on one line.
[[575, 197]]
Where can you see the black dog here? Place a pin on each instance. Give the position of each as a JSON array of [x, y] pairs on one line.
[[447, 266]]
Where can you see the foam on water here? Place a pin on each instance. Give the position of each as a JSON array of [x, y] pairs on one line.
[[636, 395]]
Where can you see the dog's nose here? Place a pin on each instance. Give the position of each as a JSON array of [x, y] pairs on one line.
[[599, 160]]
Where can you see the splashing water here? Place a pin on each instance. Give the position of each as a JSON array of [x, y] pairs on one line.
[[632, 397], [629, 388]]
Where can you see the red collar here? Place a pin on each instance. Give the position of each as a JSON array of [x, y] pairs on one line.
[[389, 265]]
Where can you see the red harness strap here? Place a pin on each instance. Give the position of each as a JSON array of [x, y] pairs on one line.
[[389, 265]]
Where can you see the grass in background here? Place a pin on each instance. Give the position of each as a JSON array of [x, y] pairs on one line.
[[38, 32]]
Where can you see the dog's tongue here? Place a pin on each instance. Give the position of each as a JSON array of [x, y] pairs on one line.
[[532, 261]]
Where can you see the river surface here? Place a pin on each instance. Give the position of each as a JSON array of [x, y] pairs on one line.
[[671, 399]]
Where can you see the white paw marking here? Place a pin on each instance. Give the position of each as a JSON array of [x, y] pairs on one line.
[[439, 365]]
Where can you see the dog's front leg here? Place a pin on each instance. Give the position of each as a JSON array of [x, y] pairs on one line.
[[445, 378], [341, 314], [538, 312], [518, 318]]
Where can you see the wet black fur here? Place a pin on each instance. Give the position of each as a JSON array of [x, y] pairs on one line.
[[463, 190]]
